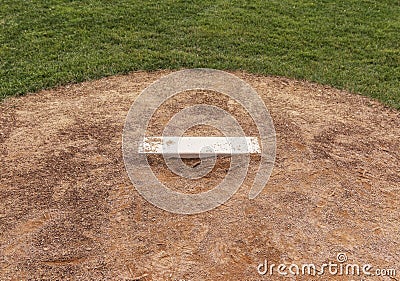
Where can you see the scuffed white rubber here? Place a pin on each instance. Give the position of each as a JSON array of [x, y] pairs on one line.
[[198, 147]]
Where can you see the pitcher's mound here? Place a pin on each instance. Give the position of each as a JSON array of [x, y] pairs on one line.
[[69, 211]]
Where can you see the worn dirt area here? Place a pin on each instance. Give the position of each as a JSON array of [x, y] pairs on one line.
[[68, 210]]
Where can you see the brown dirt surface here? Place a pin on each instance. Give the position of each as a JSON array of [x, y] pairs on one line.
[[68, 210]]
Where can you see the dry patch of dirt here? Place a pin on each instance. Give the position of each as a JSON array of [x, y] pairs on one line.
[[69, 211]]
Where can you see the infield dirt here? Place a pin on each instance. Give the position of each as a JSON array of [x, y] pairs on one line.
[[69, 211]]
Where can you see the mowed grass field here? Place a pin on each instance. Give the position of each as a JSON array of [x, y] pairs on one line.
[[348, 44]]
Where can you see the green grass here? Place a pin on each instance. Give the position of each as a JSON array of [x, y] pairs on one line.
[[349, 44]]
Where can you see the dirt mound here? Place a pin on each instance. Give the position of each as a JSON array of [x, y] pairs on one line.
[[69, 211]]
